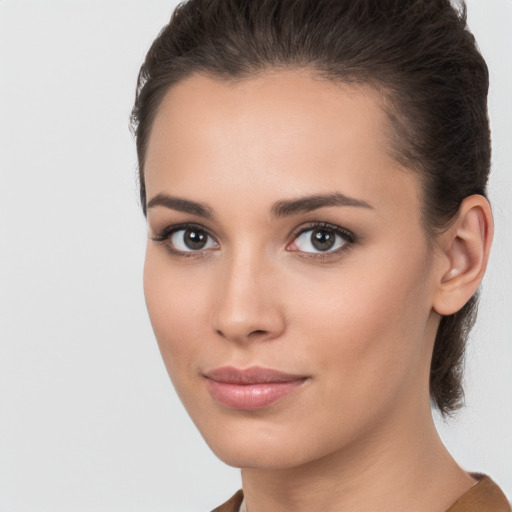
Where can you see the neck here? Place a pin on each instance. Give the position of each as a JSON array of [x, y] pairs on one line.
[[400, 469]]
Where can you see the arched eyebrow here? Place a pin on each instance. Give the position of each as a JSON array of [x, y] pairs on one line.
[[181, 205], [283, 208], [306, 204]]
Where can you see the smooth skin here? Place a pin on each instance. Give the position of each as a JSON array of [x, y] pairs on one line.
[[359, 320]]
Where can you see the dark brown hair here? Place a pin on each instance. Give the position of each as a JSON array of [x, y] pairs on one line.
[[418, 53]]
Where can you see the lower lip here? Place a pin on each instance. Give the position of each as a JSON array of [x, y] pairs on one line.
[[251, 397]]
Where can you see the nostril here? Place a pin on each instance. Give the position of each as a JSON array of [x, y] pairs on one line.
[[258, 332]]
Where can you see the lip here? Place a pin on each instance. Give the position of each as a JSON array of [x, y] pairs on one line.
[[252, 388]]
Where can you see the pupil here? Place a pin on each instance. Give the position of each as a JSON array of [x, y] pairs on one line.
[[195, 239], [322, 240]]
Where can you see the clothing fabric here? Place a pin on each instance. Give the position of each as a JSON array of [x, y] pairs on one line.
[[485, 496]]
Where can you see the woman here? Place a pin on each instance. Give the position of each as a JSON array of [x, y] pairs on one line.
[[314, 178]]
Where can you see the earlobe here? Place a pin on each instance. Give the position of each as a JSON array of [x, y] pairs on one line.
[[465, 250]]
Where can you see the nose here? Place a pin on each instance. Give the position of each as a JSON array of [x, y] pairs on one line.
[[247, 306]]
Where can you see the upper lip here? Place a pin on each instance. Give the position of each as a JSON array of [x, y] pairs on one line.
[[252, 375]]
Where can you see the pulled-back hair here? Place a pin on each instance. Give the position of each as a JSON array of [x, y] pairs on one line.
[[418, 53]]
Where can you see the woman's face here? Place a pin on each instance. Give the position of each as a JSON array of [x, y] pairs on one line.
[[288, 279]]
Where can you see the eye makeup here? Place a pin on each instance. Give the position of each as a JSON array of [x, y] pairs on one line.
[[326, 241], [196, 241]]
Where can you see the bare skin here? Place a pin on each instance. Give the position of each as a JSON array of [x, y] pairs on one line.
[[357, 321]]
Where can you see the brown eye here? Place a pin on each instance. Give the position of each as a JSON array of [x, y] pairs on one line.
[[322, 239], [192, 239]]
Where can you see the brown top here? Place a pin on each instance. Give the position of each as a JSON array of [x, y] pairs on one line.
[[485, 496]]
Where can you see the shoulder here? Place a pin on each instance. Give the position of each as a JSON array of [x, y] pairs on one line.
[[233, 504], [484, 496]]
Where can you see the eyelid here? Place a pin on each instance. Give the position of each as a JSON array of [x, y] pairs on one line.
[[166, 232], [344, 233], [164, 235]]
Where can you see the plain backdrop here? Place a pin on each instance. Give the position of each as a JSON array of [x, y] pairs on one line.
[[88, 418]]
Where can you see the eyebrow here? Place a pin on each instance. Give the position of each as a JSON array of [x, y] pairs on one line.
[[284, 208], [309, 203], [181, 205]]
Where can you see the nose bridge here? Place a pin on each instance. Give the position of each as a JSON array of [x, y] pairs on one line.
[[245, 306]]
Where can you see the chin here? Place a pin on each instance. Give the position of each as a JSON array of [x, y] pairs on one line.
[[254, 457], [261, 447]]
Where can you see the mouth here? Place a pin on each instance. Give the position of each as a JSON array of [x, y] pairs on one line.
[[252, 388]]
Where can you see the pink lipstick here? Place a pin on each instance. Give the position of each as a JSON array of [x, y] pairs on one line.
[[252, 388]]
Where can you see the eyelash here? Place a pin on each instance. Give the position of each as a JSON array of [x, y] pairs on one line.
[[164, 236], [349, 238]]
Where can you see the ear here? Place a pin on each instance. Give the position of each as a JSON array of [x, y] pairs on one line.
[[464, 252]]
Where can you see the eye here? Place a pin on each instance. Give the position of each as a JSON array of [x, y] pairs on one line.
[[191, 239], [180, 240], [322, 238]]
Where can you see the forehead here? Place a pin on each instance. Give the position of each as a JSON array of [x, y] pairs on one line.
[[279, 130], [279, 108]]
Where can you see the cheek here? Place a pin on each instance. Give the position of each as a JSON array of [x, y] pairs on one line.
[[365, 327], [174, 301]]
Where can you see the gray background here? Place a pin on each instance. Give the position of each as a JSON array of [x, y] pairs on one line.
[[88, 418]]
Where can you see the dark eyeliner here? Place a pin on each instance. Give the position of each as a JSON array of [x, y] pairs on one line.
[[166, 232], [162, 236], [344, 233]]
